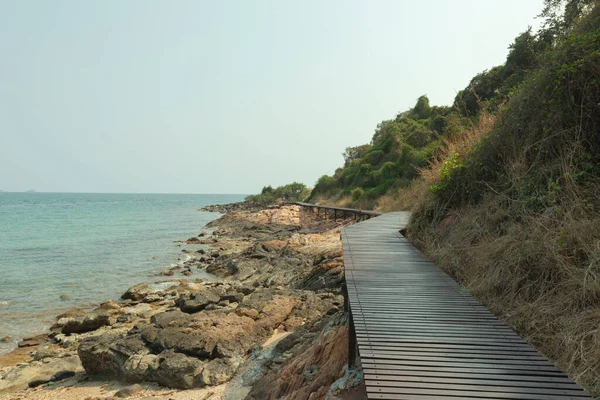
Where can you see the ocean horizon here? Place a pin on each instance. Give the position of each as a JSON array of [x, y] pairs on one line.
[[60, 251]]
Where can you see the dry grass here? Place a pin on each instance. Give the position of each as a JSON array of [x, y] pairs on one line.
[[539, 271]]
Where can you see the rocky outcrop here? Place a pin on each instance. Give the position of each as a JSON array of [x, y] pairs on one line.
[[312, 366]]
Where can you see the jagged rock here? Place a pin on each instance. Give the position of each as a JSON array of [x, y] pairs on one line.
[[85, 323], [137, 292]]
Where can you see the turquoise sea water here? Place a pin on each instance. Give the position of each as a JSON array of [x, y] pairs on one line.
[[88, 247]]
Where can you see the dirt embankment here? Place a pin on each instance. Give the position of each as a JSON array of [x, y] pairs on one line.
[[270, 326]]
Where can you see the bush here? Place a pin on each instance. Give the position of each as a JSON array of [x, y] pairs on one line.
[[357, 193]]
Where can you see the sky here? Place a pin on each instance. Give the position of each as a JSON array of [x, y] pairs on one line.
[[146, 96]]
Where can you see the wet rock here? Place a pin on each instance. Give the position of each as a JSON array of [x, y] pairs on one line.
[[6, 339], [85, 323], [64, 297], [62, 375], [193, 240], [166, 272], [129, 391], [28, 343], [137, 292], [38, 381]]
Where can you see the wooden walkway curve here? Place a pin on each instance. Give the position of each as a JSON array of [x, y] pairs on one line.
[[422, 337]]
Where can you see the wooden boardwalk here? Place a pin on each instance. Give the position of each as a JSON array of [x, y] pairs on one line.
[[421, 336]]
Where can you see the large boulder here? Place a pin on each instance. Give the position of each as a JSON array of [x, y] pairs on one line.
[[85, 323], [98, 358]]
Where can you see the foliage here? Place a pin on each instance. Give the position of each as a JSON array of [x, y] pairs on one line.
[[288, 193]]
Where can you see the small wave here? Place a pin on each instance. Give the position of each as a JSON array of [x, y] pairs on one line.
[[3, 303]]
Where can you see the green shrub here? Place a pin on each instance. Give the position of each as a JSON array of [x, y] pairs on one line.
[[357, 193]]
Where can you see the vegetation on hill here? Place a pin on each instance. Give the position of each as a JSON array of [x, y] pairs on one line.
[[287, 193]]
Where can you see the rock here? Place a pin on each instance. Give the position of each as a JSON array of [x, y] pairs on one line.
[[28, 343], [273, 245], [192, 240], [137, 292], [187, 272], [139, 367], [292, 323], [97, 357], [61, 375], [38, 381], [85, 323], [166, 272], [5, 339], [194, 302], [177, 370], [219, 371], [109, 305], [129, 391], [248, 312], [45, 353], [202, 234], [233, 297], [138, 309], [201, 251], [64, 297]]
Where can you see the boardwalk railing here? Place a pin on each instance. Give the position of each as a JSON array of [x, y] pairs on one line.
[[421, 336], [335, 212]]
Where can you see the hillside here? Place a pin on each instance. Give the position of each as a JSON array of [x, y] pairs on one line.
[[504, 185]]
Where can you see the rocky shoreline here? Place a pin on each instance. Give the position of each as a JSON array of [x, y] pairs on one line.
[[271, 326]]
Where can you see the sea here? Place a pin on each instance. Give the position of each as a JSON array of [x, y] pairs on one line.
[[60, 251]]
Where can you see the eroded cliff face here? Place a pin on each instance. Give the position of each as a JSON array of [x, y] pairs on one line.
[[271, 326]]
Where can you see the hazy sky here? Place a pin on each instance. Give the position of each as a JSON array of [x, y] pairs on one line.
[[224, 96]]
